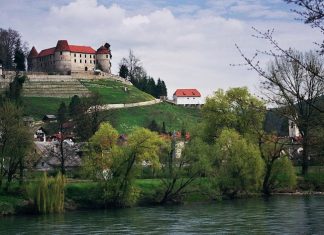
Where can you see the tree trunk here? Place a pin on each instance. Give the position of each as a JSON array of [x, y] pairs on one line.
[[21, 172], [305, 158], [266, 185]]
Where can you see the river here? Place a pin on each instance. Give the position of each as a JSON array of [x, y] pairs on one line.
[[277, 215]]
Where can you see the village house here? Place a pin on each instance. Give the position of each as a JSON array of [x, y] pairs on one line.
[[67, 59], [187, 97]]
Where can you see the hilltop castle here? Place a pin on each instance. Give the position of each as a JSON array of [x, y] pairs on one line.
[[66, 59]]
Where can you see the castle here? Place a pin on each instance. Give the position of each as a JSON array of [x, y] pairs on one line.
[[66, 59]]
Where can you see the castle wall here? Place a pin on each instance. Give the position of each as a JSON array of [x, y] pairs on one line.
[[81, 62]]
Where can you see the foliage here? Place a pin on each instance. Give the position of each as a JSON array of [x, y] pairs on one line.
[[235, 108], [74, 106], [283, 175], [119, 165], [180, 172], [132, 69], [15, 88], [123, 71], [48, 194], [238, 165], [15, 142], [12, 49]]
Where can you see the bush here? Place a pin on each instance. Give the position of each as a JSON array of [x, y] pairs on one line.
[[48, 194], [283, 175], [239, 164]]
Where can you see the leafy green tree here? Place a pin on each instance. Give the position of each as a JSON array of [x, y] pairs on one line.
[[153, 126], [238, 165], [236, 109], [122, 163], [74, 106], [123, 71], [15, 142], [19, 58], [179, 173], [15, 88]]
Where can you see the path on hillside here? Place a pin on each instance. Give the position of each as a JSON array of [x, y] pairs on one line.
[[105, 107]]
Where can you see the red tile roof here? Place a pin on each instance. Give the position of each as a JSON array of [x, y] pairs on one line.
[[187, 93], [46, 52], [62, 45], [103, 50], [82, 49], [33, 53]]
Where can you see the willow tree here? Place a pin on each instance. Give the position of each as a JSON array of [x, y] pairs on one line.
[[236, 109], [123, 161]]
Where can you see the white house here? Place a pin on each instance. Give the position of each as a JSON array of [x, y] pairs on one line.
[[187, 97], [293, 129]]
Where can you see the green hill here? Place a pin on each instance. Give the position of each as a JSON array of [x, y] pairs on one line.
[[111, 92], [175, 117]]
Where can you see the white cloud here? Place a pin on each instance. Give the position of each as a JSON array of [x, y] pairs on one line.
[[188, 46]]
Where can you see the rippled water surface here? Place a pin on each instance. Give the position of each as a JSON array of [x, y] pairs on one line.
[[277, 215]]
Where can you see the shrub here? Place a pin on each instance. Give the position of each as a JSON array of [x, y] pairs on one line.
[[48, 194], [283, 175]]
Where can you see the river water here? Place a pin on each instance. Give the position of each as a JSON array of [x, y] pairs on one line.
[[277, 215]]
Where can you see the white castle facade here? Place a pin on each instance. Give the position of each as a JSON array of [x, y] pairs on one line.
[[66, 59]]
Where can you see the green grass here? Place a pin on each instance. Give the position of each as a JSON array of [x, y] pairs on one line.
[[37, 107], [112, 92], [175, 117]]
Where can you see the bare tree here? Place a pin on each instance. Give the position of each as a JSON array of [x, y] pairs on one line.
[[311, 12], [133, 65]]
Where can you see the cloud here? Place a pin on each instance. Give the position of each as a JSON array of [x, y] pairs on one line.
[[186, 44]]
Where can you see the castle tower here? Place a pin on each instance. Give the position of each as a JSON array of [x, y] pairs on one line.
[[32, 60], [62, 57], [103, 55]]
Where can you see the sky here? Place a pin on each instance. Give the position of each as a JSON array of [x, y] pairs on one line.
[[186, 43]]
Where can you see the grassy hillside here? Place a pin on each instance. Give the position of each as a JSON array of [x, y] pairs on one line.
[[37, 107], [175, 117], [113, 92]]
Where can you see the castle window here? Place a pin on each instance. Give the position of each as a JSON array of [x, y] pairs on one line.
[[85, 61], [94, 62], [80, 55], [74, 55], [85, 55], [74, 60], [106, 56], [90, 56], [61, 53], [80, 61], [90, 61], [94, 56]]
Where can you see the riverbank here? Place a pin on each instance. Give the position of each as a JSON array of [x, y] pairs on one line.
[[87, 195]]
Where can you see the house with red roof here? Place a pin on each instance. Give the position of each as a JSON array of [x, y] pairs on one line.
[[187, 97], [66, 59]]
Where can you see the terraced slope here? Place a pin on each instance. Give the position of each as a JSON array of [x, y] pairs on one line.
[[55, 88]]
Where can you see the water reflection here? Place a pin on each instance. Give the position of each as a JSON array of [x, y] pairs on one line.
[[277, 215]]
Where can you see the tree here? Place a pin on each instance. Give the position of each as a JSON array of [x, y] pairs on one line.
[[20, 57], [15, 142], [274, 152], [178, 174], [15, 88], [312, 12], [74, 106], [153, 126], [11, 48], [62, 154], [132, 64], [238, 165], [122, 163], [235, 108], [123, 71]]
